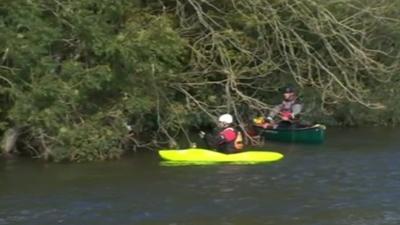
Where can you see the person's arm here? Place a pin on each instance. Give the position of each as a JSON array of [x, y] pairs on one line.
[[296, 109], [274, 112], [212, 140]]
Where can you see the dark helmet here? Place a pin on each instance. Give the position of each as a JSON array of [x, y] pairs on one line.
[[288, 89]]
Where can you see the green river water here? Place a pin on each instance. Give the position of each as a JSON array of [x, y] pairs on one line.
[[351, 179]]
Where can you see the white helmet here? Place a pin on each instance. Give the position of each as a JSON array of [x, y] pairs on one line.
[[226, 118]]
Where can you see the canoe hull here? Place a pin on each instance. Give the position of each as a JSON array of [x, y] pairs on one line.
[[312, 135], [204, 155]]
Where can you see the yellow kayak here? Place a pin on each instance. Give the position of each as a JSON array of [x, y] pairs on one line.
[[204, 155]]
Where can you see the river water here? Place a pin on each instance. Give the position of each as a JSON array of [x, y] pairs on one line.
[[351, 179]]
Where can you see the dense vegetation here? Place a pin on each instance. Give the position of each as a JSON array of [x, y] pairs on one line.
[[75, 74]]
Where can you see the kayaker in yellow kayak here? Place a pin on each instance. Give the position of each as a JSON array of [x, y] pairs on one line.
[[227, 139]]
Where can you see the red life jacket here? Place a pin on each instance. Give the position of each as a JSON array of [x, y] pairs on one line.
[[232, 139], [228, 134]]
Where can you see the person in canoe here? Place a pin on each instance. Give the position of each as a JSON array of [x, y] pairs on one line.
[[227, 139], [288, 111]]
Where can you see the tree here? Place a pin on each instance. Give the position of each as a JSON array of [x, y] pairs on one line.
[[76, 74]]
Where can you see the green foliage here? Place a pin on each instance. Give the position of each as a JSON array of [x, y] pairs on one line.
[[78, 71], [74, 73]]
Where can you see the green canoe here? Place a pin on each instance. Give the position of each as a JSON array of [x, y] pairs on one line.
[[314, 134], [205, 155]]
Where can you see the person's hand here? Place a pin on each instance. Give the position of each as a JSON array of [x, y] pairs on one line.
[[128, 127], [202, 134]]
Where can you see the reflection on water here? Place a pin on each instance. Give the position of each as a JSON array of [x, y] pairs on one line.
[[353, 178]]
